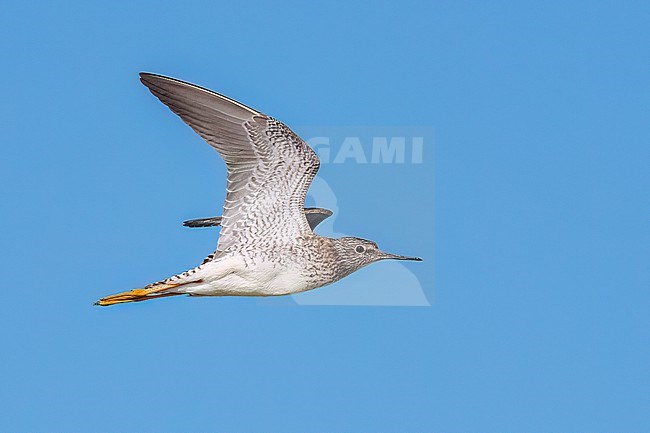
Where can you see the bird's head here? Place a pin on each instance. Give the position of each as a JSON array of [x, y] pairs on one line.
[[355, 253]]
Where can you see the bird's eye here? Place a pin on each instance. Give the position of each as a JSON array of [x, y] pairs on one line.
[[359, 249]]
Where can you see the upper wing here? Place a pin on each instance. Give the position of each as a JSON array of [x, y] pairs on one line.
[[315, 216], [269, 168]]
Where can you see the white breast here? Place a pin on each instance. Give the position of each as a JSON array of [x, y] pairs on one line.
[[232, 276]]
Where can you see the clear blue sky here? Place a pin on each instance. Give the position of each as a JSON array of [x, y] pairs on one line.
[[540, 280]]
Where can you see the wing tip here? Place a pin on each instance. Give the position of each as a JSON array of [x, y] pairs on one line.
[[150, 79]]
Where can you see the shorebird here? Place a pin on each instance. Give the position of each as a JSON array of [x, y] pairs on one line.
[[266, 246]]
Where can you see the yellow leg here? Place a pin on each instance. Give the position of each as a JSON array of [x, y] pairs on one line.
[[150, 292]]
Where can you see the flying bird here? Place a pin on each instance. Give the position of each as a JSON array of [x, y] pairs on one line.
[[266, 246]]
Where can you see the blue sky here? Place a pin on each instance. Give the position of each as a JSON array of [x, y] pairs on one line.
[[531, 212]]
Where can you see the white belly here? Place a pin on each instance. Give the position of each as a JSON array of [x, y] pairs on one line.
[[231, 276]]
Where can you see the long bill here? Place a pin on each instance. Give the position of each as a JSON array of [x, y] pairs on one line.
[[385, 256]]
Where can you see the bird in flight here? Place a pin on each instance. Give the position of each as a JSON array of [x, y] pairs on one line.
[[266, 246]]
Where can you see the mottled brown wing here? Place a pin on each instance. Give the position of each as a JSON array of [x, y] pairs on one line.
[[269, 168]]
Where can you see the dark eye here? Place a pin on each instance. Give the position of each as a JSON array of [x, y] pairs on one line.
[[359, 249]]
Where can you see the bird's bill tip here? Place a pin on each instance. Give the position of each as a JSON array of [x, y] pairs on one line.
[[398, 257]]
